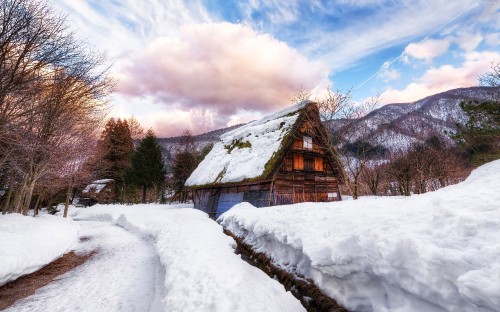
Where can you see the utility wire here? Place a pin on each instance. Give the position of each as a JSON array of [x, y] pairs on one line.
[[403, 53]]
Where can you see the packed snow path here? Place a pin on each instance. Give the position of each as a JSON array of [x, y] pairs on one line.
[[124, 274]]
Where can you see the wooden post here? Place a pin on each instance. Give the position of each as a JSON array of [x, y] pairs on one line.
[[270, 200]]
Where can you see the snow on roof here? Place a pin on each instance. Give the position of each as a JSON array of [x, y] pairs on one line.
[[103, 181], [97, 185], [243, 153]]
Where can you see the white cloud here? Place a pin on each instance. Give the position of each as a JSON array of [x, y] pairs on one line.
[[427, 49], [443, 78], [387, 74], [493, 39], [119, 28], [468, 41], [363, 37], [276, 11], [221, 66]]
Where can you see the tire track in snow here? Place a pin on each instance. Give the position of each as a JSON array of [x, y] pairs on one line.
[[125, 274]]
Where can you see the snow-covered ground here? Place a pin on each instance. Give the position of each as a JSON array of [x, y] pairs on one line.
[[201, 270], [146, 258], [124, 274], [27, 243], [438, 251]]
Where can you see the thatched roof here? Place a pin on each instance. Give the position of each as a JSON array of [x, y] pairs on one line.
[[250, 152]]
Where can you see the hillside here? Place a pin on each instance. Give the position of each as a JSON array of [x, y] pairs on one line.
[[393, 125], [400, 124]]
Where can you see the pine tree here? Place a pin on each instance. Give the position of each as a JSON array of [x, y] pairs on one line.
[[480, 136], [147, 164], [184, 164], [115, 151]]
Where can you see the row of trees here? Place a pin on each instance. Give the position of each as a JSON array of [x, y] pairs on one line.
[[421, 168], [52, 100], [141, 174], [135, 171], [53, 92]]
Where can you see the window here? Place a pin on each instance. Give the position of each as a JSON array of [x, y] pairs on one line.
[[332, 196], [308, 142]]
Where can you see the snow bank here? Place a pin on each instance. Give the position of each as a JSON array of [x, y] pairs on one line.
[[438, 251], [202, 272], [27, 244]]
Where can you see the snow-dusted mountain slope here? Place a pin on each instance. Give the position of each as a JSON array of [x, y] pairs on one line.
[[397, 125], [393, 125]]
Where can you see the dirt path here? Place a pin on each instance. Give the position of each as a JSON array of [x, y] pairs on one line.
[[26, 286], [123, 274]]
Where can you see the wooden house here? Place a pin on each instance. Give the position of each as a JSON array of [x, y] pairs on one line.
[[100, 191], [283, 158]]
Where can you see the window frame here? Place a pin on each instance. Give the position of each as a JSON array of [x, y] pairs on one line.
[[308, 142]]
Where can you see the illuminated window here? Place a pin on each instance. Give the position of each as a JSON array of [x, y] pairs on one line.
[[308, 142]]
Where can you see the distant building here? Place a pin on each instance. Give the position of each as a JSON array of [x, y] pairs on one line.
[[284, 158], [99, 191]]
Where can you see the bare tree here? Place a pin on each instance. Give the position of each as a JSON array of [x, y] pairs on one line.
[[491, 78], [372, 177], [51, 93]]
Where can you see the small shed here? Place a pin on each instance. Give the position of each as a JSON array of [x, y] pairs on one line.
[[284, 158], [100, 191]]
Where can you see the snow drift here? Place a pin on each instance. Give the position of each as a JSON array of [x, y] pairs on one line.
[[27, 244], [202, 272], [438, 251]]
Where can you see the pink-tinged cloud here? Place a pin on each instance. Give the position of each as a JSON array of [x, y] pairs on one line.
[[223, 67], [428, 49], [443, 78]]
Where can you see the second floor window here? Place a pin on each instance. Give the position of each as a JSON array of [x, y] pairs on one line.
[[308, 142]]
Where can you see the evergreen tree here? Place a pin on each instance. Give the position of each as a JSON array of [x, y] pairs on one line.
[[184, 164], [480, 136], [147, 164], [115, 151]]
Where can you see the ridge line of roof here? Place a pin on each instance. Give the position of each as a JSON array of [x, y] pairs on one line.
[[287, 110]]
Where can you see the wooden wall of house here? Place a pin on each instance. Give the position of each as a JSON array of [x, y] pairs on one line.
[[215, 201], [306, 174]]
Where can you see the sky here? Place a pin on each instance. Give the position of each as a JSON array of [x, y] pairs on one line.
[[205, 64]]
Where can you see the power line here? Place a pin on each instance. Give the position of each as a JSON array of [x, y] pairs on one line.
[[403, 53]]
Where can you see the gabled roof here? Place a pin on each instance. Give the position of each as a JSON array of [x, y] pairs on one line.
[[250, 152], [97, 185]]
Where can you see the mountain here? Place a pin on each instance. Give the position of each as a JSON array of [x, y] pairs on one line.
[[170, 144], [392, 125], [400, 124]]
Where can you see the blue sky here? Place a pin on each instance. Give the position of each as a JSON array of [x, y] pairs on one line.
[[202, 65]]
